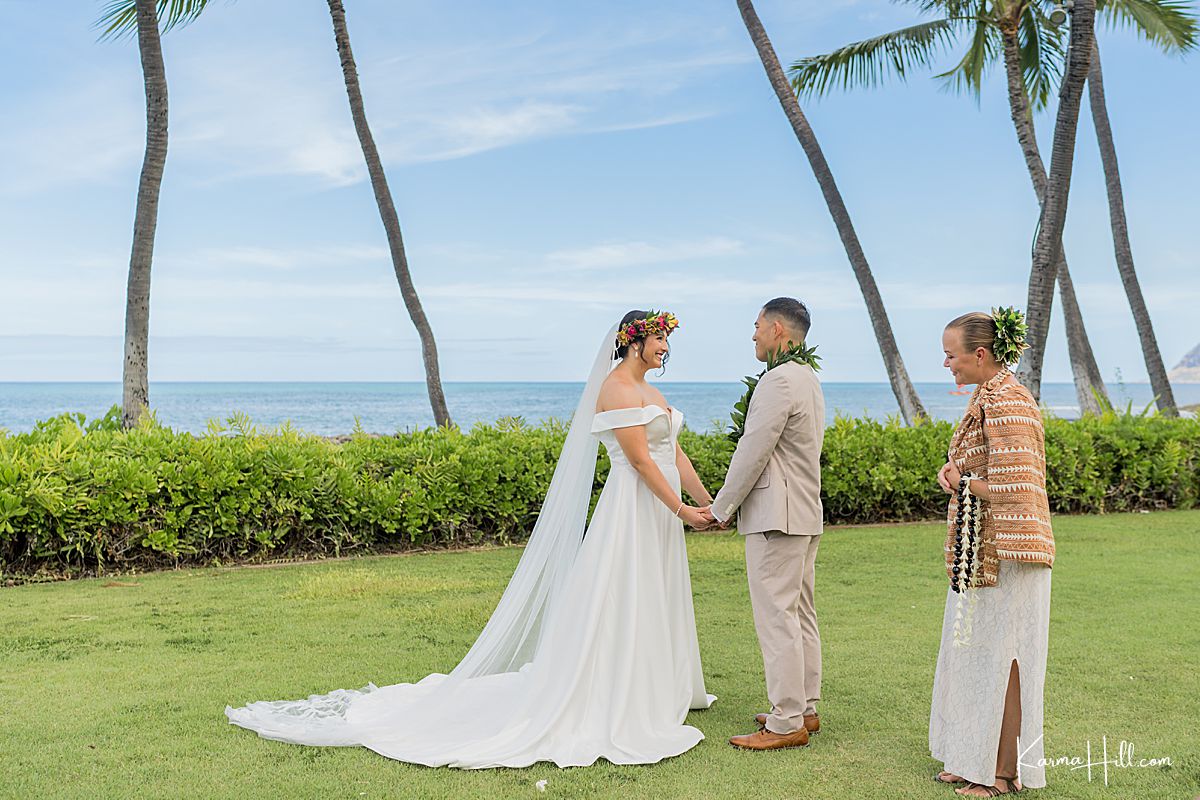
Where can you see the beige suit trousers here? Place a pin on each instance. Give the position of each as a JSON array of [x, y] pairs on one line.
[[780, 569]]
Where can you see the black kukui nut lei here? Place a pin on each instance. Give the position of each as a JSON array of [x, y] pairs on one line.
[[962, 577]]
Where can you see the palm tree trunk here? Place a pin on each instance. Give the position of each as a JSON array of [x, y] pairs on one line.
[[1120, 232], [1089, 384], [906, 396], [135, 394], [1047, 250], [387, 212]]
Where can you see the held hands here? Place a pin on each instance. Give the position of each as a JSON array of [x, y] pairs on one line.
[[695, 518], [948, 477], [701, 518], [711, 520]]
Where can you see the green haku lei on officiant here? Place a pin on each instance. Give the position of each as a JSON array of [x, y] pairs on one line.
[[1011, 330], [796, 353]]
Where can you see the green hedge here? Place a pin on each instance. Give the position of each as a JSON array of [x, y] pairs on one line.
[[77, 496]]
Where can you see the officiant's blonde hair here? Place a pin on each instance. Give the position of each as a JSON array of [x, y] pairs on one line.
[[978, 330]]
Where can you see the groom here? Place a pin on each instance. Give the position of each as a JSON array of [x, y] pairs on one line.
[[774, 485]]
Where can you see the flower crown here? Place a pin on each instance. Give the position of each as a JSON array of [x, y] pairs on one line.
[[1011, 329], [655, 322]]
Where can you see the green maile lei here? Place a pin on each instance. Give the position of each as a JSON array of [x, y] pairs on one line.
[[793, 353]]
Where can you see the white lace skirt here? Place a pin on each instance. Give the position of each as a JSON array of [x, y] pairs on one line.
[[1011, 622]]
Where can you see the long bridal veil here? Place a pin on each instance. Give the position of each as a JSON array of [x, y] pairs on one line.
[[511, 637], [513, 634]]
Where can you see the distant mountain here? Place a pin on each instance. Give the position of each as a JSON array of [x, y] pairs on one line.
[[1187, 370]]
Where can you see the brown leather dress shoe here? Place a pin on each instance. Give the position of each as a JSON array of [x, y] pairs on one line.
[[766, 740], [812, 722]]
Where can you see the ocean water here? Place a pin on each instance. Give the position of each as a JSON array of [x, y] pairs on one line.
[[333, 408]]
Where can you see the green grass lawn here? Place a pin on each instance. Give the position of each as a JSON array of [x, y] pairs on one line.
[[117, 688]]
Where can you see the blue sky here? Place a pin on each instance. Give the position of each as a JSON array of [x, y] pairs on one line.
[[554, 164]]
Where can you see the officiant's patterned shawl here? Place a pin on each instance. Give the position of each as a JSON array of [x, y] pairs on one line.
[[1000, 440]]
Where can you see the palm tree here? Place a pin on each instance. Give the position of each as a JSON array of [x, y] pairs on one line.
[[1027, 42], [906, 395], [1159, 382], [1168, 25], [125, 16], [387, 212], [1030, 45], [143, 17], [1047, 248]]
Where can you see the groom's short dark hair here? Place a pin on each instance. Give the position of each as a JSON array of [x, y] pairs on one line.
[[791, 312]]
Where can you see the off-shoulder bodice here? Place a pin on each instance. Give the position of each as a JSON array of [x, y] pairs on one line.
[[662, 427]]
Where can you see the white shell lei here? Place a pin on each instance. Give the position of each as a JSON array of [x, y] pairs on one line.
[[966, 565]]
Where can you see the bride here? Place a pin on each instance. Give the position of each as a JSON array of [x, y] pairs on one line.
[[591, 652]]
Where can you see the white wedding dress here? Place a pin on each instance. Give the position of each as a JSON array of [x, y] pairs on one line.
[[591, 653]]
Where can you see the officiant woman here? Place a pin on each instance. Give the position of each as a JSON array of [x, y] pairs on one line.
[[985, 725]]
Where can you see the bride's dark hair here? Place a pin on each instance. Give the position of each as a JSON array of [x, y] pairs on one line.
[[622, 350]]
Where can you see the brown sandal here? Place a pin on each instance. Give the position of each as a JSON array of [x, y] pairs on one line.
[[1011, 787]]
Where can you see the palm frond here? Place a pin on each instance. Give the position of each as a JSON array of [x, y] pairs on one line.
[[1043, 56], [1170, 24], [867, 63], [119, 17], [967, 75]]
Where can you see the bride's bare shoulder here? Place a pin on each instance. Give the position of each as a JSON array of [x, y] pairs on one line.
[[616, 392]]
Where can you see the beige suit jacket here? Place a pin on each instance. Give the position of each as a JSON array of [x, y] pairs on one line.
[[774, 478]]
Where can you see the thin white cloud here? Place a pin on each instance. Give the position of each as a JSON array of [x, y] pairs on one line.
[[827, 290], [449, 135], [944, 296], [526, 293], [277, 258], [176, 288], [468, 253], [653, 76], [652, 60], [1159, 296], [166, 345], [627, 254]]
